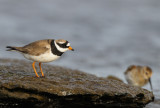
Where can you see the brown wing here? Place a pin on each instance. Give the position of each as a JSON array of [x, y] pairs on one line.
[[129, 68], [36, 48]]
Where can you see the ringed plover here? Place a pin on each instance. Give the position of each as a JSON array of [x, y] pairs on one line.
[[43, 51]]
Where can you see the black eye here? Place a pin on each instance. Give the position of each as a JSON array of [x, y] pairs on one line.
[[64, 45]]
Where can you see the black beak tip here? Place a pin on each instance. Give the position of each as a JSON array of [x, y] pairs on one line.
[[72, 49], [150, 83]]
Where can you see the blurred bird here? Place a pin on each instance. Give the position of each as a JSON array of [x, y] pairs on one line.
[[138, 75], [43, 51]]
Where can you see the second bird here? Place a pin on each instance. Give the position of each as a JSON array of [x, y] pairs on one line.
[[43, 51], [138, 75]]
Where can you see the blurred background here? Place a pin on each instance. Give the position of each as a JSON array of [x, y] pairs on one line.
[[107, 35]]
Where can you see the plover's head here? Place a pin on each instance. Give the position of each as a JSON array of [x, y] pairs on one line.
[[147, 72], [63, 45]]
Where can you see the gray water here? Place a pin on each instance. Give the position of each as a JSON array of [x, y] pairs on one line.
[[107, 35]]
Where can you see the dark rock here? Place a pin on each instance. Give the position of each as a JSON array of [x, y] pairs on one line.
[[64, 88]]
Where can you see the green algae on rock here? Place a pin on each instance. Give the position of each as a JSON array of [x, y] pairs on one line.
[[64, 88]]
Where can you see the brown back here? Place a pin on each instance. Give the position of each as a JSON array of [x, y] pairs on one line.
[[36, 48]]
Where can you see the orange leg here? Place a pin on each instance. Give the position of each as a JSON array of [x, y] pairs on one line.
[[41, 69], [33, 65]]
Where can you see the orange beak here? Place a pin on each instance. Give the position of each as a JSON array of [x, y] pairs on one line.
[[70, 48]]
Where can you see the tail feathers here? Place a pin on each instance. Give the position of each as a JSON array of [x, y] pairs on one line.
[[11, 48]]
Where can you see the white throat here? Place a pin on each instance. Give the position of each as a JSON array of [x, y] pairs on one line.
[[59, 48]]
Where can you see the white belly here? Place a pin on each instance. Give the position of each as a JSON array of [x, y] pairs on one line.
[[130, 79], [46, 57]]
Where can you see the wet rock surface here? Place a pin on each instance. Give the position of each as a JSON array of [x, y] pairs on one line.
[[64, 88]]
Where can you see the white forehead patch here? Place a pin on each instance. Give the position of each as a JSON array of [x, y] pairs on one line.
[[68, 44]]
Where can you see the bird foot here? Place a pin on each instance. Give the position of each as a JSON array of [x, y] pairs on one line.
[[36, 76], [42, 76]]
